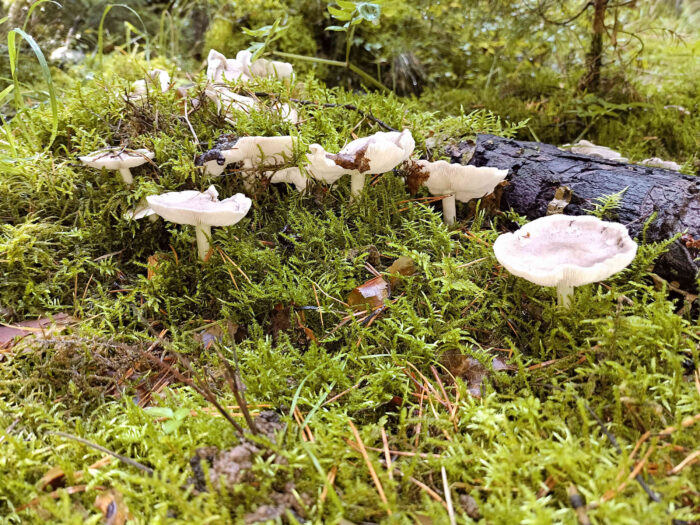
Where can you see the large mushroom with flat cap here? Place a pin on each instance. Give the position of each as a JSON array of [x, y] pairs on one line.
[[459, 183], [200, 209], [566, 251], [121, 160]]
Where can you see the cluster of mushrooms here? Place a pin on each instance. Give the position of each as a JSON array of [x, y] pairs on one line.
[[557, 250]]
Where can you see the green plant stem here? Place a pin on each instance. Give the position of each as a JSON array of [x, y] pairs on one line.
[[336, 63]]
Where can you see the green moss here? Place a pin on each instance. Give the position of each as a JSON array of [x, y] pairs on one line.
[[623, 349]]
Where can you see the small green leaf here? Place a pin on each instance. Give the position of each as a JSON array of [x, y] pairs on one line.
[[181, 413], [160, 412], [171, 425]]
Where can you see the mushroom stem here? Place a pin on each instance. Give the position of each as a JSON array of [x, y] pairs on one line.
[[126, 176], [357, 184], [564, 295], [203, 236], [449, 209]]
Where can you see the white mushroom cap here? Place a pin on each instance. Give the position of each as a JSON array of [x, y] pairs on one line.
[[270, 68], [586, 147], [656, 162], [193, 207], [465, 182], [220, 68], [566, 251], [377, 153], [254, 151], [156, 76], [321, 166], [291, 175], [116, 159], [229, 101]]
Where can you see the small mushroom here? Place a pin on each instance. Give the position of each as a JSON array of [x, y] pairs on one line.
[[586, 147], [201, 210], [220, 68], [459, 183], [156, 76], [372, 155], [656, 162], [121, 160], [566, 251], [271, 68], [254, 152]]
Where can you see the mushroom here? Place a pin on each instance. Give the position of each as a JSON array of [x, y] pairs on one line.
[[121, 160], [459, 183], [201, 210], [220, 68], [656, 162], [566, 251], [270, 68], [372, 155], [586, 147], [262, 152], [155, 76]]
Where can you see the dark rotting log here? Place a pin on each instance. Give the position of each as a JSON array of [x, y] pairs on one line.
[[537, 170]]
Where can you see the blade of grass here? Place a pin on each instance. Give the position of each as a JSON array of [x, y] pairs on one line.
[[13, 53], [100, 31]]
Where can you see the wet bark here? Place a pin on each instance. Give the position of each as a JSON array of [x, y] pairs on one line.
[[537, 170]]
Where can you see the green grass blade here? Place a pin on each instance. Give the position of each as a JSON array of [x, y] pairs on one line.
[[14, 60], [100, 31], [33, 7]]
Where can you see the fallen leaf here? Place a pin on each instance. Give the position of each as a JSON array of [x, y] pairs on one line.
[[415, 175], [372, 293], [37, 327], [216, 333], [54, 477], [403, 266], [113, 507], [152, 263], [471, 370]]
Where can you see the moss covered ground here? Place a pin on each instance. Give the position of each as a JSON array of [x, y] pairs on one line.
[[468, 396]]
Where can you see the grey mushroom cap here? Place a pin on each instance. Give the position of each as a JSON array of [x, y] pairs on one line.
[[566, 251]]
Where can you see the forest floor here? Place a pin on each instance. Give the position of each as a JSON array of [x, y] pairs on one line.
[[142, 383]]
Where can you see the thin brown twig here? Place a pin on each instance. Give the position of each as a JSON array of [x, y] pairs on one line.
[[689, 460], [372, 472], [206, 393], [233, 380], [387, 455]]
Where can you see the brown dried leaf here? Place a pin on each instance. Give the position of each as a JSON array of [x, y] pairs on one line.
[[216, 333], [403, 266], [415, 176], [39, 328], [372, 293], [53, 478], [113, 507], [471, 370]]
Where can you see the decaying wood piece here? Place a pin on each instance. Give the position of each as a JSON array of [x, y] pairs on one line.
[[537, 170]]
